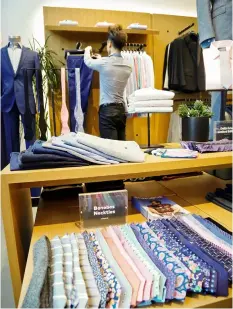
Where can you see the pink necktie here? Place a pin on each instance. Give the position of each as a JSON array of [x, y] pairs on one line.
[[64, 111]]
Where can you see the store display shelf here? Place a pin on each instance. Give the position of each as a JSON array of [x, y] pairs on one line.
[[58, 217], [16, 200], [96, 29]]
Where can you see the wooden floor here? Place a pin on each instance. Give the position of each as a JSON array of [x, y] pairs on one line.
[[59, 217]]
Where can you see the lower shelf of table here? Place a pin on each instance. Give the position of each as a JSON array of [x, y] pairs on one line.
[[59, 217]]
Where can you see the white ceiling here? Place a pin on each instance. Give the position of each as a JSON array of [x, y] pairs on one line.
[[171, 7]]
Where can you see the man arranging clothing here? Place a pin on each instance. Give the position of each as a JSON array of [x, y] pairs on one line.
[[114, 73]]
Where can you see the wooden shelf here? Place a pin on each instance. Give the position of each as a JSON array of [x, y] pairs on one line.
[[96, 29], [58, 217], [16, 200]]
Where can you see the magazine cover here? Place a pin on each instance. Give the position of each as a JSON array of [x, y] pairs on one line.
[[157, 207]]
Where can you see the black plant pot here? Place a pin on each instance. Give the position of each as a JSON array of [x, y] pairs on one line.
[[195, 129]]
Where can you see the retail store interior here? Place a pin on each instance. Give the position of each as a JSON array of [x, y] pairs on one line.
[[116, 154]]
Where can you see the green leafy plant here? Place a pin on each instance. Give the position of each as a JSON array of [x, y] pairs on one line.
[[50, 76], [195, 109]]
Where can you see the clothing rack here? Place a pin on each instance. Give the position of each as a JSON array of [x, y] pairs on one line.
[[185, 29], [139, 45]]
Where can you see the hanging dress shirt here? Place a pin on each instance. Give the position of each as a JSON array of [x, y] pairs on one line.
[[218, 62]]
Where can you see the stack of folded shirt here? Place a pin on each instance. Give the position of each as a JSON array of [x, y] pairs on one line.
[[137, 26], [76, 149], [103, 24], [149, 100]]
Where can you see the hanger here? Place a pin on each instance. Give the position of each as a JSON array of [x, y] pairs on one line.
[[77, 51]]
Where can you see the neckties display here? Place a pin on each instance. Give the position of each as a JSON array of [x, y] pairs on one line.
[[132, 265]]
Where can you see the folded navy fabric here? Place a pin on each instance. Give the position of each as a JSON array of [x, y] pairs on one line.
[[16, 163], [216, 146], [30, 157], [37, 148]]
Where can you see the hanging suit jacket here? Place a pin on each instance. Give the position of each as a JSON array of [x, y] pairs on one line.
[[214, 19], [12, 84], [185, 65]]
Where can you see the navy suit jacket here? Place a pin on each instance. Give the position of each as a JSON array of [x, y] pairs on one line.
[[12, 84]]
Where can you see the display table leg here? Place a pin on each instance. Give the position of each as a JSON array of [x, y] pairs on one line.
[[18, 224]]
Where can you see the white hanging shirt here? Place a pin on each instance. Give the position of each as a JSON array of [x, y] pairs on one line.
[[218, 65], [14, 53]]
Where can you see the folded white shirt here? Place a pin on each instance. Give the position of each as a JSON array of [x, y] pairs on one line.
[[151, 110], [146, 94], [151, 103], [137, 26], [68, 22], [125, 150], [103, 24]]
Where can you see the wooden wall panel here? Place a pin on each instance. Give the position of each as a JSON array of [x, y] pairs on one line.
[[167, 25]]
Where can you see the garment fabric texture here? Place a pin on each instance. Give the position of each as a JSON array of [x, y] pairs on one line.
[[202, 147], [212, 250], [84, 154], [10, 139], [214, 23], [86, 75], [101, 284], [185, 65], [112, 122], [126, 289], [142, 75], [70, 139], [124, 150], [218, 270], [78, 113], [38, 292], [214, 229], [16, 83], [64, 111], [114, 72], [214, 19], [218, 65], [17, 165], [88, 275]]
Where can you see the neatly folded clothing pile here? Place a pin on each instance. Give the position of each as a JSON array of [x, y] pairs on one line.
[[222, 197], [149, 100], [137, 26], [76, 149], [215, 146]]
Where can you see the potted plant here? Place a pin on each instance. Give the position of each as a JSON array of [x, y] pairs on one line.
[[195, 121]]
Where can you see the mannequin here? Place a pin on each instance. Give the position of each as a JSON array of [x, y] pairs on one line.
[[214, 23], [17, 97]]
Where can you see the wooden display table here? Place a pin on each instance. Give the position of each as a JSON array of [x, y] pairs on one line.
[[58, 217], [16, 201]]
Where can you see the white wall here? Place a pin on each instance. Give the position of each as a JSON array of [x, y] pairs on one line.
[[25, 17]]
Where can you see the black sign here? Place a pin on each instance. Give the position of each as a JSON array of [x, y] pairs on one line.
[[103, 208], [223, 130]]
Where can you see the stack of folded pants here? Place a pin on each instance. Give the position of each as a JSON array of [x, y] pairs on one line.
[[149, 100], [76, 149]]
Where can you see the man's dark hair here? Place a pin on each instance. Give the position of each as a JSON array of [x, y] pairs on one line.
[[117, 36]]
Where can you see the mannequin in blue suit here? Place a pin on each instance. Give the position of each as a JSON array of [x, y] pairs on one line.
[[13, 101]]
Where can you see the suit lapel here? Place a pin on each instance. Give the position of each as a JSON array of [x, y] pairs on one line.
[[22, 57], [6, 55]]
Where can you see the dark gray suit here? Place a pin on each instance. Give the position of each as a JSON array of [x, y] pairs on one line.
[[214, 19]]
